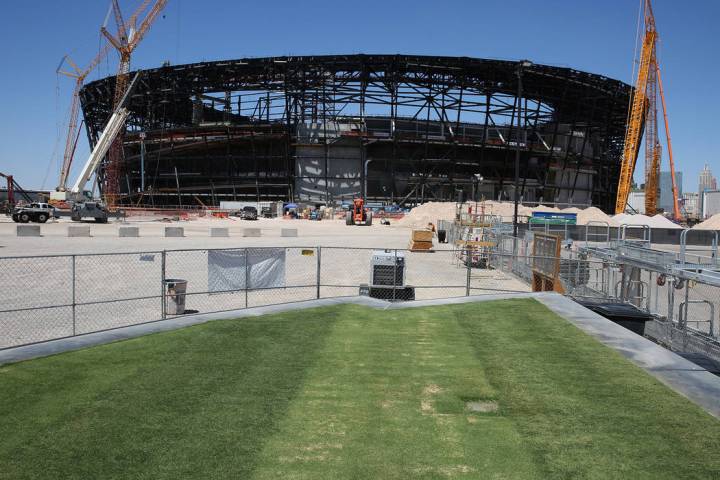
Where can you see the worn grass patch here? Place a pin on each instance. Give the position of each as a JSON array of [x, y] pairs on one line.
[[491, 390]]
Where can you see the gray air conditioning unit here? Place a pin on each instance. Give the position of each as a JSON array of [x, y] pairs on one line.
[[388, 268], [387, 277]]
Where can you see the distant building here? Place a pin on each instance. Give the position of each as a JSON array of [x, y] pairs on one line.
[[710, 203], [706, 181], [636, 201], [666, 195], [691, 205]]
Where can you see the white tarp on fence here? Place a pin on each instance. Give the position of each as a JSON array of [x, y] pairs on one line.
[[265, 269]]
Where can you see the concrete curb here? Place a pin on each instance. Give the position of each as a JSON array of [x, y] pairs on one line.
[[78, 231], [27, 230]]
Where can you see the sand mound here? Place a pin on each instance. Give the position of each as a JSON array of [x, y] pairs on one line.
[[506, 210], [430, 212], [545, 208], [594, 214], [712, 223], [660, 221], [657, 221]]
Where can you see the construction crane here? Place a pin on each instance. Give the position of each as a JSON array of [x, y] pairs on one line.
[[642, 115], [129, 35], [12, 187], [71, 141]]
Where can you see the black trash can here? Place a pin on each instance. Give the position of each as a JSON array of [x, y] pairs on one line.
[[442, 236], [624, 314]]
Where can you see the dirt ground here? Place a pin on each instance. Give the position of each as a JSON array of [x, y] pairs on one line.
[[115, 281]]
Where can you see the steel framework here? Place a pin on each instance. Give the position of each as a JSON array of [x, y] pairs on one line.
[[396, 128]]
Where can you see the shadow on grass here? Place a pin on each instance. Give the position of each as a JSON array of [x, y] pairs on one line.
[[195, 403]]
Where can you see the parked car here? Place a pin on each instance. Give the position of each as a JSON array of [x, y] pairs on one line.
[[249, 213]]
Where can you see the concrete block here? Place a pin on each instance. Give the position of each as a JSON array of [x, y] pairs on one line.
[[174, 232], [129, 232], [219, 232], [251, 232], [78, 231], [288, 232], [28, 230]]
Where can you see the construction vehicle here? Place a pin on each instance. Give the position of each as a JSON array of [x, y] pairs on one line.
[[358, 214], [73, 132], [34, 212], [81, 201], [129, 35], [642, 116], [249, 213]]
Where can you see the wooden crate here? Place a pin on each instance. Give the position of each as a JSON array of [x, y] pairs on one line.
[[420, 245], [422, 236]]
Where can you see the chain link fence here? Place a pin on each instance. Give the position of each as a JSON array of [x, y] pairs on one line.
[[51, 297]]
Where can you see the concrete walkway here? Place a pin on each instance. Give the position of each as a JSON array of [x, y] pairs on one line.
[[683, 376]]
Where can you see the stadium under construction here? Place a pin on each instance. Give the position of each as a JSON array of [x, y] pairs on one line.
[[394, 128]]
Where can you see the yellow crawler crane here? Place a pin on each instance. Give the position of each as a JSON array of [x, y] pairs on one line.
[[642, 115]]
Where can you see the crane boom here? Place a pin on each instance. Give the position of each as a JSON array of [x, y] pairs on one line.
[[653, 150], [675, 193], [635, 123], [79, 76], [642, 116], [110, 132]]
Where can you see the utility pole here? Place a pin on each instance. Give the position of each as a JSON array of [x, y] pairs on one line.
[[521, 65]]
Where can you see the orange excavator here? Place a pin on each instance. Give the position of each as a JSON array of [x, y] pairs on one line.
[[642, 115]]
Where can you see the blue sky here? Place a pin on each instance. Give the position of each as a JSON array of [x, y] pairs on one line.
[[596, 36]]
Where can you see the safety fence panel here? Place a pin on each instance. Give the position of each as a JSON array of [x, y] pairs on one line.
[[37, 299], [116, 290], [343, 271]]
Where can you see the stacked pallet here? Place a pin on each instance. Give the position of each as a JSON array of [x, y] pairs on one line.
[[421, 241]]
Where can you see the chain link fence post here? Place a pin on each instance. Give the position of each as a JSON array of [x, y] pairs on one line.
[[73, 296], [247, 276], [468, 263], [162, 285], [394, 282], [319, 262]]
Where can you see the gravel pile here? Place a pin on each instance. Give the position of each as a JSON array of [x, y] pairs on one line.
[[712, 223]]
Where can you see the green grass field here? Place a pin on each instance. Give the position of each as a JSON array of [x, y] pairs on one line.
[[500, 390]]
